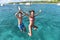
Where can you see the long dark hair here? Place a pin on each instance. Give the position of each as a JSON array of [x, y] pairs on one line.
[[31, 11], [20, 12]]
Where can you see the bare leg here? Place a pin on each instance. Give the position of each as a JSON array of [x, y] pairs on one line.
[[30, 30]]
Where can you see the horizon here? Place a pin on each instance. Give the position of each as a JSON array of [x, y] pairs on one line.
[[7, 1]]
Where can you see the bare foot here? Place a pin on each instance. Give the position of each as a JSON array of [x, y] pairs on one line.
[[29, 34], [35, 28]]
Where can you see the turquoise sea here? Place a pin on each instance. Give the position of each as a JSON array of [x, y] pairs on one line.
[[48, 22]]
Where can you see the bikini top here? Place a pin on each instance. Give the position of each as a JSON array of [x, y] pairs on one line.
[[31, 18]]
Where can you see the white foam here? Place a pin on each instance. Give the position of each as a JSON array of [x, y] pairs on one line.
[[1, 4]]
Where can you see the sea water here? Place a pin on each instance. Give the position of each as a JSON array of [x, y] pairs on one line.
[[48, 22]]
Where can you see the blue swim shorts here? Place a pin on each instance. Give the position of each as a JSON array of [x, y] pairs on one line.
[[21, 26]]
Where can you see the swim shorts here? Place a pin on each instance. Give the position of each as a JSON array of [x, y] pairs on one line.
[[21, 26]]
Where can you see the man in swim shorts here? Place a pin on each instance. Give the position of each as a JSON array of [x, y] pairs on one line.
[[19, 16]]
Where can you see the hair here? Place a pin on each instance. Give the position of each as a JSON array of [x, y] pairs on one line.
[[20, 12], [31, 11]]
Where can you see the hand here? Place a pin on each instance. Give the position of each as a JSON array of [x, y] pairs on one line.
[[39, 10], [19, 8]]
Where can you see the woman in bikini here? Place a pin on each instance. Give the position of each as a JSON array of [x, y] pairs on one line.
[[32, 19]]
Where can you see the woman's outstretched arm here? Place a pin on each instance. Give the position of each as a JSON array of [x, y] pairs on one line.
[[38, 13]]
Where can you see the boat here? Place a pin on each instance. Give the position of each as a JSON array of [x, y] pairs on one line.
[[58, 4], [27, 3]]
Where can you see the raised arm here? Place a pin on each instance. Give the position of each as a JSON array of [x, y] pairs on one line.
[[17, 14], [38, 13], [25, 14]]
